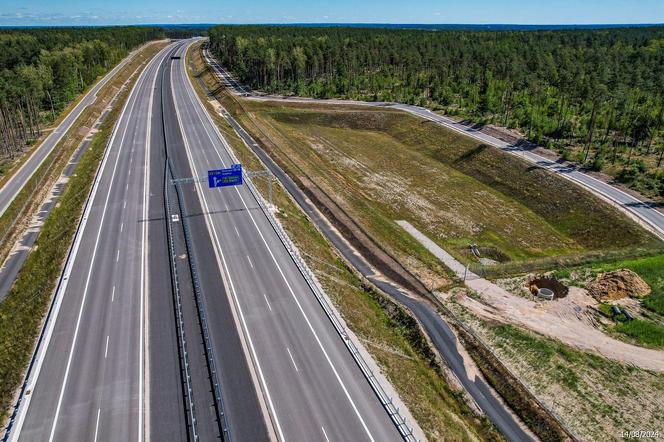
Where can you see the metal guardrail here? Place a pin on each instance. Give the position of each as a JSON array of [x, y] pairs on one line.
[[190, 180], [469, 330], [385, 400], [198, 294], [178, 305]]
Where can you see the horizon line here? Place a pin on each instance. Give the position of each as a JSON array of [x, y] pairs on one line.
[[640, 24]]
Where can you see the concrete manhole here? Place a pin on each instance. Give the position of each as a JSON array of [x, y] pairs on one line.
[[547, 288]]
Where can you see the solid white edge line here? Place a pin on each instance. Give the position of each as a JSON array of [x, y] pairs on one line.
[[133, 101], [325, 434], [97, 424], [91, 94], [534, 158], [499, 144], [25, 404], [142, 373], [220, 254], [306, 318]]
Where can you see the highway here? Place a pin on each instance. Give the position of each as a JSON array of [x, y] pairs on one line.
[[108, 366], [437, 329], [23, 174], [87, 382], [440, 333], [638, 209], [308, 380]]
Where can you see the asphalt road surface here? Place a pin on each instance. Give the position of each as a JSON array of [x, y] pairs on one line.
[[243, 413], [87, 382], [436, 328], [103, 373], [308, 380], [639, 209], [14, 185]]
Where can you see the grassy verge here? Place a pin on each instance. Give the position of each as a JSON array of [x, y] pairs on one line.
[[383, 165], [21, 313], [388, 333], [519, 399], [651, 269], [28, 200], [647, 333], [596, 397]]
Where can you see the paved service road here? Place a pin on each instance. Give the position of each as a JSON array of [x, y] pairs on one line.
[[309, 381], [284, 371], [14, 185], [436, 328], [87, 382], [645, 213]]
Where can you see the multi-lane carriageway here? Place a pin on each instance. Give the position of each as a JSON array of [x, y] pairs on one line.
[[109, 366]]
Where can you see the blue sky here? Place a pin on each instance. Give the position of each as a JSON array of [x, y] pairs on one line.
[[96, 12]]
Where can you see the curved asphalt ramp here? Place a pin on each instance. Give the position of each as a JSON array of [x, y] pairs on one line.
[[436, 328]]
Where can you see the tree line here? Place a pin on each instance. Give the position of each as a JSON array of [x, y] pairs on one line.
[[43, 69], [601, 90]]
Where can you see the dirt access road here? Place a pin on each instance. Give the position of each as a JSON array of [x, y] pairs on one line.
[[565, 319]]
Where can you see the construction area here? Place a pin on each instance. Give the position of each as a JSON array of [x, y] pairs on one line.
[[486, 209], [372, 171]]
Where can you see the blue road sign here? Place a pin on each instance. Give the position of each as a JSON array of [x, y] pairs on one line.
[[225, 177]]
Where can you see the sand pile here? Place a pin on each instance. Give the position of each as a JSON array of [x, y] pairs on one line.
[[617, 285]]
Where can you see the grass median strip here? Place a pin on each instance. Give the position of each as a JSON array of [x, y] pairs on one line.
[[392, 336], [22, 312]]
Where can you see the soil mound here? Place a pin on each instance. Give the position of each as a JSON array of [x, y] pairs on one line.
[[617, 285]]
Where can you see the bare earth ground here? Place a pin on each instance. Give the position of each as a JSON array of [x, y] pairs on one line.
[[595, 397], [381, 168], [437, 404], [566, 319], [378, 176], [569, 319]]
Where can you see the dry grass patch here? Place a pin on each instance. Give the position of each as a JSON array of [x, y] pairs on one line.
[[388, 333], [383, 165]]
